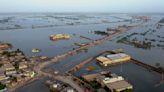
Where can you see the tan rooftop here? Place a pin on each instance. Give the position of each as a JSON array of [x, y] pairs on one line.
[[3, 77], [59, 36], [103, 59], [22, 65], [90, 77], [113, 59], [8, 67], [119, 85]]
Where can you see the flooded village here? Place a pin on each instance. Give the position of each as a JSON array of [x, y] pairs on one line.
[[109, 53]]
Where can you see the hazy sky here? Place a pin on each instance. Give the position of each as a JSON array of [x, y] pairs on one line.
[[82, 6]]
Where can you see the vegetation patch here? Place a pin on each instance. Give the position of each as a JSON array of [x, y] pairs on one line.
[[2, 86], [103, 33]]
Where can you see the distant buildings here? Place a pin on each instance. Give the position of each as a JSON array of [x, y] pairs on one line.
[[3, 76], [11, 72], [144, 18], [14, 68], [29, 73], [4, 46], [8, 67], [23, 65]]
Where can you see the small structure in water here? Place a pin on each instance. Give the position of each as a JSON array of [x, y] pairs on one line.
[[80, 44], [59, 37], [90, 68], [35, 50]]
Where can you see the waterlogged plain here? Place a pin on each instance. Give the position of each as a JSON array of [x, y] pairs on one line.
[[143, 42]]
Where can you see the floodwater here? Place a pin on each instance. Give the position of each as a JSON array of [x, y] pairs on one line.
[[26, 38]]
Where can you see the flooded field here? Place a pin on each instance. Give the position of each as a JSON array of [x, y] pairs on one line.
[[28, 31]]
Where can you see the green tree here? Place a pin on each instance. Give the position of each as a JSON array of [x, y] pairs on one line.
[[2, 86]]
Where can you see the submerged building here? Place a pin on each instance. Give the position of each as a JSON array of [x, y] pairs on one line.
[[109, 81], [59, 36], [113, 59]]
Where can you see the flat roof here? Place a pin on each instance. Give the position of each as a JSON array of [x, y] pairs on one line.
[[103, 59], [117, 56], [90, 76], [119, 85]]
